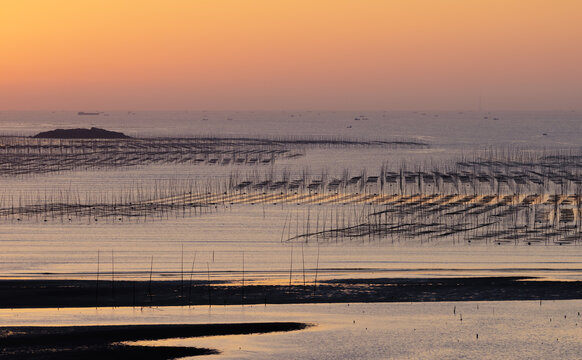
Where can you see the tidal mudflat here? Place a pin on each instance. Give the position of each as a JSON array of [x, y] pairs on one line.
[[425, 330]]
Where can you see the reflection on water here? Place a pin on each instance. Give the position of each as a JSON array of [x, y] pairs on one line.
[[451, 330], [226, 239], [216, 242]]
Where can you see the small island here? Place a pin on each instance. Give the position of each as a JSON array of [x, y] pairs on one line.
[[92, 133]]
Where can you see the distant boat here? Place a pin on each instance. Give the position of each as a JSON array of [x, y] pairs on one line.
[[88, 113]]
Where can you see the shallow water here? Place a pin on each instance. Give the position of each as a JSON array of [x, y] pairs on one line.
[[447, 330], [63, 248], [219, 240], [225, 239]]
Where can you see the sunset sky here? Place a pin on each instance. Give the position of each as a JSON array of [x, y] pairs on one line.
[[290, 55]]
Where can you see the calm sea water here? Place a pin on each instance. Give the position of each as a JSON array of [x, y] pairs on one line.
[[443, 129], [59, 248]]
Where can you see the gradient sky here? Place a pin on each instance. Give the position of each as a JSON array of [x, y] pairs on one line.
[[290, 55]]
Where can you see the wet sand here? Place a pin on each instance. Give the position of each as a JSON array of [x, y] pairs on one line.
[[85, 293]]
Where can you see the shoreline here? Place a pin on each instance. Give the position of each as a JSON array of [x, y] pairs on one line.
[[89, 293]]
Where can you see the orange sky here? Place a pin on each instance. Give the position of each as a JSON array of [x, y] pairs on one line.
[[323, 54]]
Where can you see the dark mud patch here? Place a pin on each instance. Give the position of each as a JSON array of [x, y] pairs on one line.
[[86, 293], [100, 342]]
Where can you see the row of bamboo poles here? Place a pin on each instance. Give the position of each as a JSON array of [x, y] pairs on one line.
[[22, 156]]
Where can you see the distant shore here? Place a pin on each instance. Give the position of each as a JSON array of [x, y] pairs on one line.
[[87, 293]]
